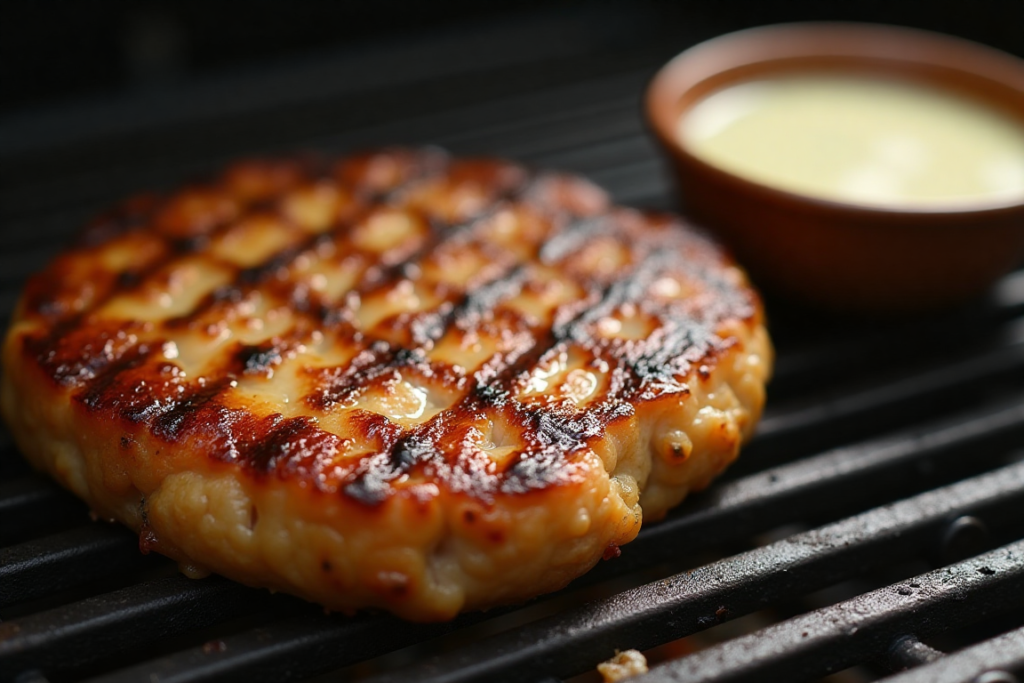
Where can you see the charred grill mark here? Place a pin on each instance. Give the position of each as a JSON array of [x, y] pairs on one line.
[[248, 279], [410, 450], [73, 356], [573, 237], [342, 384], [428, 326], [172, 423], [498, 391], [370, 483], [468, 312], [99, 389], [137, 391], [369, 488], [185, 246], [411, 166], [114, 369], [260, 359], [255, 275], [440, 232], [483, 301], [284, 440]]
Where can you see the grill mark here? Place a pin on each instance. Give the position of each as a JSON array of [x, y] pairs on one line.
[[470, 309], [559, 435], [574, 237], [177, 247], [429, 162], [440, 233], [350, 379], [281, 440], [247, 279], [259, 359], [345, 383], [94, 393], [82, 363], [543, 468], [172, 423], [373, 486], [498, 390], [265, 444]]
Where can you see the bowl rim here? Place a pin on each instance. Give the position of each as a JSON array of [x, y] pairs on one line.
[[787, 44]]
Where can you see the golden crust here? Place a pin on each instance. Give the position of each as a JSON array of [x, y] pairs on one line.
[[395, 381]]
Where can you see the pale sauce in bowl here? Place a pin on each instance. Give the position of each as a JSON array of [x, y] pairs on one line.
[[861, 140]]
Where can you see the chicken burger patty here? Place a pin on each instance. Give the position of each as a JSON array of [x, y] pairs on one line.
[[398, 380]]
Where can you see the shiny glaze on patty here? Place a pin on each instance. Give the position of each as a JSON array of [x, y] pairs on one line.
[[395, 326]]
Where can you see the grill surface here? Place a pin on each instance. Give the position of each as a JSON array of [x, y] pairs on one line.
[[876, 518]]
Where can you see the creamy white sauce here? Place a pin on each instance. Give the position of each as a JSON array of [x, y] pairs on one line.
[[861, 140]]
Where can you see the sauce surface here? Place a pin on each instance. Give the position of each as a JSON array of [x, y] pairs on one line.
[[861, 140]]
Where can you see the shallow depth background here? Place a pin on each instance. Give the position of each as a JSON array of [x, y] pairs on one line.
[[50, 53]]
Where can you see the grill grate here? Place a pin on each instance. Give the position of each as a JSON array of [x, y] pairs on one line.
[[887, 459]]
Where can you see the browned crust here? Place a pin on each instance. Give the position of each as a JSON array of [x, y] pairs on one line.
[[493, 274]]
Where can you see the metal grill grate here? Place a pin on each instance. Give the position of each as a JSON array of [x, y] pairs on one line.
[[886, 463]]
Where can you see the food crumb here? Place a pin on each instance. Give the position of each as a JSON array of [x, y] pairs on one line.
[[623, 665]]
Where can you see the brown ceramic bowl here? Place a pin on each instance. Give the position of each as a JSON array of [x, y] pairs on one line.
[[829, 253]]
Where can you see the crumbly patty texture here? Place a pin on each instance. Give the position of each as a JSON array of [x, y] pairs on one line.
[[397, 380]]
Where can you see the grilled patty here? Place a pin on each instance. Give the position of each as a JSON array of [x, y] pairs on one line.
[[397, 380]]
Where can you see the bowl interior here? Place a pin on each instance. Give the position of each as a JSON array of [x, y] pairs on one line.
[[973, 71]]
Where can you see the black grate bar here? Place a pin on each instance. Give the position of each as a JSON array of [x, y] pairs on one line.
[[537, 130], [733, 511], [625, 154], [979, 331], [828, 483], [293, 648], [831, 482], [908, 652], [11, 462], [831, 639], [1004, 653], [467, 124], [641, 183], [1010, 290], [884, 404], [46, 565], [402, 62], [546, 124], [31, 503], [659, 612], [84, 631]]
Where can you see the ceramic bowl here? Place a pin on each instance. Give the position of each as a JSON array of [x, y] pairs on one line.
[[830, 253]]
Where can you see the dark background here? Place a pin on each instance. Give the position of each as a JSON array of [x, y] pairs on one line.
[[100, 100], [55, 52]]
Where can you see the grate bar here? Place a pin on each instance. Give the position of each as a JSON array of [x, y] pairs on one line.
[[980, 332], [662, 611], [1004, 653], [287, 650], [29, 504], [732, 511], [464, 122], [84, 631], [399, 63], [828, 483], [908, 652], [881, 405], [851, 632], [46, 565], [546, 124]]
